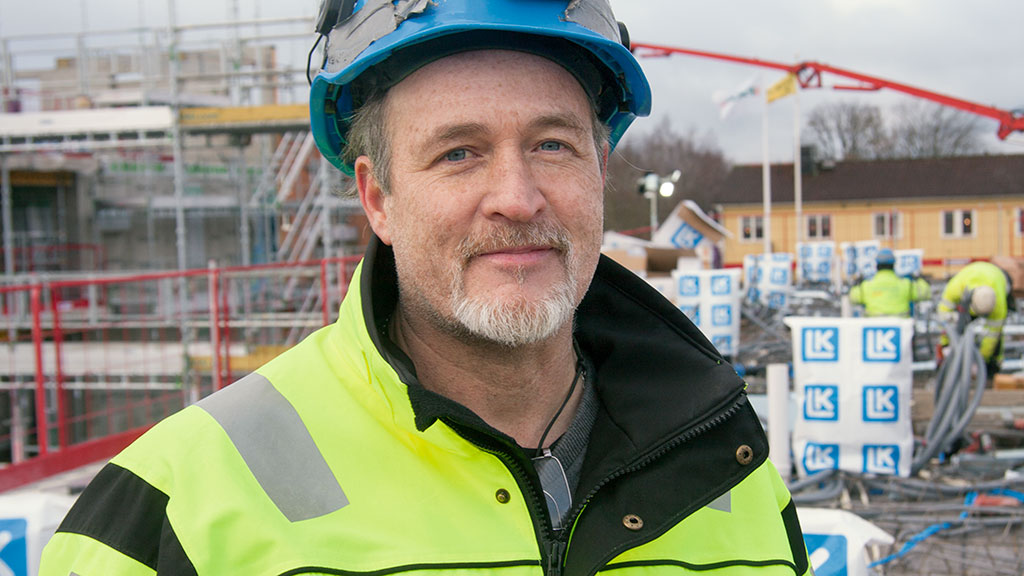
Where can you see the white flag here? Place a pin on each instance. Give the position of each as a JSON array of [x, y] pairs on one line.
[[726, 99]]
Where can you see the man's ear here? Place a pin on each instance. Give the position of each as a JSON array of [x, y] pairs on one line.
[[371, 196]]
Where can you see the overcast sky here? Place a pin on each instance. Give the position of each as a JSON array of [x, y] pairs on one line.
[[970, 50]]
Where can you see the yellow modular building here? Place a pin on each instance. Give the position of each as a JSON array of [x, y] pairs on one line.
[[955, 209]]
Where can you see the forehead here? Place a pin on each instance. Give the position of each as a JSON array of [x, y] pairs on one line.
[[499, 81]]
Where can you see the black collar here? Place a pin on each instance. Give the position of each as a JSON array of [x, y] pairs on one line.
[[654, 370]]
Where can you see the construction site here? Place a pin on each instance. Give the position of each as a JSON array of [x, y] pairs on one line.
[[169, 226]]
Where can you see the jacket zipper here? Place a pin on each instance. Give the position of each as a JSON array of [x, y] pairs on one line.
[[686, 436], [552, 549]]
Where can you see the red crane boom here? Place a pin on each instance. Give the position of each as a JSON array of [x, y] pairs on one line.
[[809, 75]]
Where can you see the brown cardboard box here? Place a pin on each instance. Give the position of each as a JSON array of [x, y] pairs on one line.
[[664, 260], [1008, 382], [1015, 268], [633, 260]]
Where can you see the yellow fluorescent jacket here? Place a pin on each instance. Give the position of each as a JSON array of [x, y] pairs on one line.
[[886, 294], [329, 460], [970, 277]]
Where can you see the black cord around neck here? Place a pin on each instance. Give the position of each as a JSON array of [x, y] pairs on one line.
[[576, 378]]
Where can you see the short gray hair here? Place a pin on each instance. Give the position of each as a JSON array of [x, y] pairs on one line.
[[368, 136]]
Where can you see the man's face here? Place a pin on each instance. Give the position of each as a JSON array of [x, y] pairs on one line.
[[495, 207]]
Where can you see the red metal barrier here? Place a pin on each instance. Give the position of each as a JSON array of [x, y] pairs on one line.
[[84, 380]]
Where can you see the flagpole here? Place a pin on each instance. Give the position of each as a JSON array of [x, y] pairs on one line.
[[766, 180], [798, 183]]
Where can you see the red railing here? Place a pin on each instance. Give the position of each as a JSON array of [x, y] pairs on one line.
[[90, 364]]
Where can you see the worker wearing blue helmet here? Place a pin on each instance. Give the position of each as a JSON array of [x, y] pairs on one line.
[[496, 396], [885, 293]]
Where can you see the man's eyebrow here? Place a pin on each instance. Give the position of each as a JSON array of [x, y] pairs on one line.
[[564, 121], [450, 132]]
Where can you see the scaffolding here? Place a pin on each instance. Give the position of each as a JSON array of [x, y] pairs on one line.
[[168, 225], [207, 121]]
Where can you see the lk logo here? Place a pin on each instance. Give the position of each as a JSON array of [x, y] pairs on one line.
[[820, 344], [689, 286], [687, 237], [821, 402], [779, 276], [13, 547], [721, 315], [910, 263], [818, 457], [721, 285], [882, 344], [881, 404], [828, 553], [881, 459]]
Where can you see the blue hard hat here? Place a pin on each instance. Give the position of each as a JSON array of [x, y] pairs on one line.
[[583, 36], [885, 257]]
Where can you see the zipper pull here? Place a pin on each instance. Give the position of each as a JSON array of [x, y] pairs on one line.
[[556, 553]]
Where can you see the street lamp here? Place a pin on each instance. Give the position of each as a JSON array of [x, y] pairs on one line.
[[652, 185]]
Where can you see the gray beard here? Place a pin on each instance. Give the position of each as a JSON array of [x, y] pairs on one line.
[[516, 322]]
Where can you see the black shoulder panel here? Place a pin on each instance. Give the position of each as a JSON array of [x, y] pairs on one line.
[[796, 537], [128, 514]]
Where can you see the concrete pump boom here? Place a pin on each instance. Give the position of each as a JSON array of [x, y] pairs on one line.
[[809, 75]]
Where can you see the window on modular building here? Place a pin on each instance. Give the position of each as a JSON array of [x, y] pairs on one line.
[[948, 222], [752, 227], [956, 223], [819, 226], [967, 222], [888, 224]]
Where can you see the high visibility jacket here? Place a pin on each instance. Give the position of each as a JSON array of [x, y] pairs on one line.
[[970, 277], [886, 294], [333, 459]]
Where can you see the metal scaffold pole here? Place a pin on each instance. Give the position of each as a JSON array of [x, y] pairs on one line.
[[179, 188], [8, 218]]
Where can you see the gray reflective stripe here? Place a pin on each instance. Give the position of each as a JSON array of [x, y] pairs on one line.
[[993, 327], [375, 20], [276, 446], [723, 503], [594, 15]]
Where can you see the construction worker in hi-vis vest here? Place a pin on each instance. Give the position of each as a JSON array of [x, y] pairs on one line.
[[495, 397]]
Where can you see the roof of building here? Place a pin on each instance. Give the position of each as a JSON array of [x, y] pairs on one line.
[[865, 180]]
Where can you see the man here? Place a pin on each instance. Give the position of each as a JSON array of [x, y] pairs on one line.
[[494, 395], [885, 293], [980, 290]]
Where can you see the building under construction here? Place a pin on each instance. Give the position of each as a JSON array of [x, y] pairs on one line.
[[167, 225]]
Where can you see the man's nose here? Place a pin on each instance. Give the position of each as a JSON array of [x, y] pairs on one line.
[[513, 191]]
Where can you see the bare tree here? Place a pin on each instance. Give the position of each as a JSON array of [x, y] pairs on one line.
[[849, 131], [701, 161], [930, 130]]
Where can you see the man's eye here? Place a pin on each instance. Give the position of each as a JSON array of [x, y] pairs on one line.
[[551, 146], [455, 155]]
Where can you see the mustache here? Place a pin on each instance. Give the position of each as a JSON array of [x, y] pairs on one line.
[[506, 237]]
